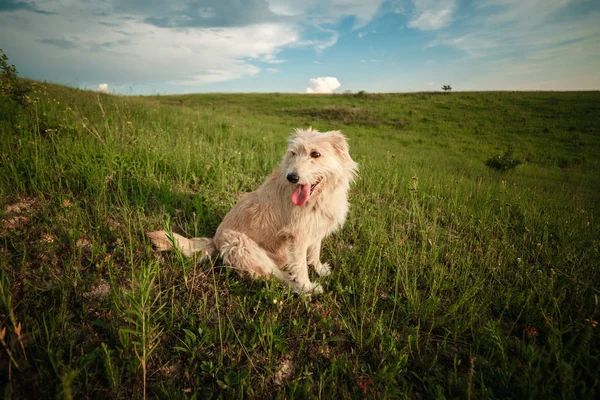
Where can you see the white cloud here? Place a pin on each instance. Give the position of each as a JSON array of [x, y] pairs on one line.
[[363, 11], [525, 35], [529, 45], [323, 84], [155, 43], [228, 73], [329, 38], [432, 15], [332, 11], [290, 7], [102, 88], [528, 12], [135, 52], [365, 33], [271, 58]]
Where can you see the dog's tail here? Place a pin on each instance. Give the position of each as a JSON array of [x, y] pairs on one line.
[[164, 241]]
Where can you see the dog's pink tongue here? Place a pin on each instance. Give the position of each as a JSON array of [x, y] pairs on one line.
[[301, 195]]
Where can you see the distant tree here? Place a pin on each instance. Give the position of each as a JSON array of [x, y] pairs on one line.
[[447, 88]]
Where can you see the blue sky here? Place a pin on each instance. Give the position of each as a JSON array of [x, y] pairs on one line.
[[151, 46]]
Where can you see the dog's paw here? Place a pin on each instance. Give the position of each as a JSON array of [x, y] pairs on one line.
[[323, 269], [316, 289], [308, 288]]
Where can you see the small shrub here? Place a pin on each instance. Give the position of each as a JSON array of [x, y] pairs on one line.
[[362, 94], [503, 162], [12, 88], [10, 85]]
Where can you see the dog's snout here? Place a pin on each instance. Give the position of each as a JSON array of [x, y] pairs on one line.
[[293, 177]]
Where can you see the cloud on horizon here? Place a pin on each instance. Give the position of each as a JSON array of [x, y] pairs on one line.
[[323, 85]]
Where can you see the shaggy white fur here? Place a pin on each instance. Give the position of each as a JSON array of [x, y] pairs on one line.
[[277, 229]]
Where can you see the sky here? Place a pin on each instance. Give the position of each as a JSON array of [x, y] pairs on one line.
[[194, 46]]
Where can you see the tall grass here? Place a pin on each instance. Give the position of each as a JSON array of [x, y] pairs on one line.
[[450, 279]]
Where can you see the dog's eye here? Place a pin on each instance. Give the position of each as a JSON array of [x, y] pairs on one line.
[[315, 154], [293, 154]]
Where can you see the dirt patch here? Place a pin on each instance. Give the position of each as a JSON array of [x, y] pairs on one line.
[[17, 215], [23, 205], [285, 371], [97, 292], [84, 245]]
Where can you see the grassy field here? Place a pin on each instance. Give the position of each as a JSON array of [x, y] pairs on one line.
[[450, 279]]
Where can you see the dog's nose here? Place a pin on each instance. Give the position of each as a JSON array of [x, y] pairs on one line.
[[292, 177]]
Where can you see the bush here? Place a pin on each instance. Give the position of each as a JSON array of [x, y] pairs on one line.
[[503, 162], [12, 88]]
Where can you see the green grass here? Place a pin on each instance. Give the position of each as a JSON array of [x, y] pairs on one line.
[[450, 279]]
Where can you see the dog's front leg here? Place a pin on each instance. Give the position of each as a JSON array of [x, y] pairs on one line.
[[314, 259], [298, 268]]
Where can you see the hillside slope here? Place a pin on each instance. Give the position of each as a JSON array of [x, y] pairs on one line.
[[449, 278]]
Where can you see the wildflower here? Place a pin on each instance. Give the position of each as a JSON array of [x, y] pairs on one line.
[[67, 203], [592, 322], [364, 382], [530, 331], [47, 238]]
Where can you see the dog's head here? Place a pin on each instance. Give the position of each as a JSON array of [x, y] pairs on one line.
[[315, 160]]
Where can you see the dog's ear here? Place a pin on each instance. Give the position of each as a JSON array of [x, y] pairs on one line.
[[340, 144]]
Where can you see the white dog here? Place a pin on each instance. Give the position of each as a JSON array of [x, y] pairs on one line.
[[278, 229]]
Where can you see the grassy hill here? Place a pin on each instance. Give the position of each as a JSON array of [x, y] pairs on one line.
[[450, 278]]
